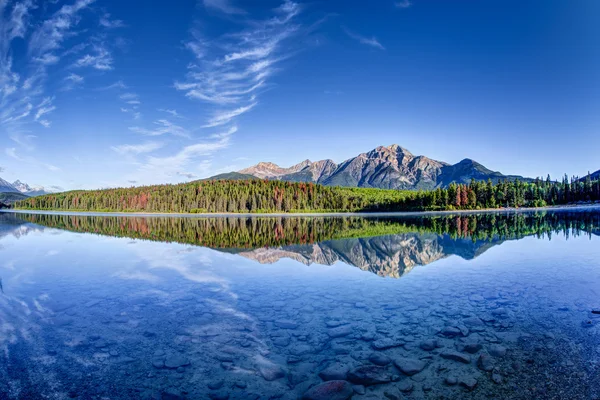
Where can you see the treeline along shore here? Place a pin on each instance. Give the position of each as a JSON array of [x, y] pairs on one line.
[[266, 196]]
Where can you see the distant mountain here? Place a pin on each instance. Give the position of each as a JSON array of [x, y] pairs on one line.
[[391, 167], [32, 191], [233, 176], [7, 187], [594, 176]]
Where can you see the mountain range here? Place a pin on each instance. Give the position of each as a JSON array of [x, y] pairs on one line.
[[385, 167], [19, 190]]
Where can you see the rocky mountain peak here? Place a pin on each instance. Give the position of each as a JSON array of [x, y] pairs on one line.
[[386, 167], [398, 149], [266, 164], [301, 165]]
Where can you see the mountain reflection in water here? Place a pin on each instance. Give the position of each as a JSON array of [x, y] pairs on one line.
[[387, 246]]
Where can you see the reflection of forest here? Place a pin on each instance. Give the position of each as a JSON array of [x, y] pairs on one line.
[[384, 245]]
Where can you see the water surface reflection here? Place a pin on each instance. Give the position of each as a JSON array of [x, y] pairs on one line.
[[502, 309]]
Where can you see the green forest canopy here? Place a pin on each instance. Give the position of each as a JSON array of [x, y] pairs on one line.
[[256, 196]]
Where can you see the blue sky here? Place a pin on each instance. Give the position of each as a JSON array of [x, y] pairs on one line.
[[115, 93]]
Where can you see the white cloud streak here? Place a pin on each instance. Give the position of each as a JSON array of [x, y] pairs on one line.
[[99, 59], [108, 23], [224, 6], [403, 4], [147, 147], [224, 117], [163, 127], [373, 42]]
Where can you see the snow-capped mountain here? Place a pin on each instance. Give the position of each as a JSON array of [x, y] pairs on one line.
[[35, 190], [24, 187], [29, 190]]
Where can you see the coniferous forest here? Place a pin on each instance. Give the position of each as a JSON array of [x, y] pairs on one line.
[[264, 196]]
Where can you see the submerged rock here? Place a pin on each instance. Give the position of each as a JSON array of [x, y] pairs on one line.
[[335, 372], [175, 361], [497, 351], [496, 378], [429, 344], [451, 331], [286, 324], [359, 389], [468, 382], [340, 331], [392, 394], [456, 356], [214, 385], [271, 372], [386, 343], [369, 375], [221, 395], [410, 366], [474, 324], [406, 386], [379, 359], [331, 390], [485, 362], [471, 348], [451, 380]]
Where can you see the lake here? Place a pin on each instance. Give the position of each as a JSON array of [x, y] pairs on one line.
[[466, 306]]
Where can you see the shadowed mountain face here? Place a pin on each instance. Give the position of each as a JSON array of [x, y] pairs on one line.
[[391, 167], [386, 246], [7, 187]]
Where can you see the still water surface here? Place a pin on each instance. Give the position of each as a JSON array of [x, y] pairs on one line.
[[494, 306]]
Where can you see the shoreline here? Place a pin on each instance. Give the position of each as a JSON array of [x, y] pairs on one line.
[[574, 207]]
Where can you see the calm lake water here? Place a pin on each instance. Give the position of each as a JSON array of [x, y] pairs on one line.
[[488, 306]]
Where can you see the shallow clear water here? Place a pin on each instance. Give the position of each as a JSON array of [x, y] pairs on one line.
[[444, 307]]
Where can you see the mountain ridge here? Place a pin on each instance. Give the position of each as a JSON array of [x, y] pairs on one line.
[[7, 187], [384, 167], [23, 188]]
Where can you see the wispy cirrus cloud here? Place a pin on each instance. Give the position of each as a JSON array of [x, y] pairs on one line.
[[12, 152], [225, 6], [403, 4], [45, 107], [372, 41], [224, 117], [162, 127], [172, 112], [117, 85], [229, 72], [135, 149], [173, 164], [109, 23], [100, 58], [49, 48], [23, 139], [72, 81]]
